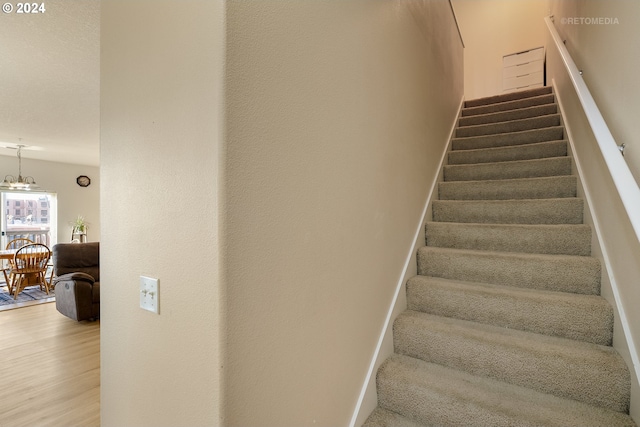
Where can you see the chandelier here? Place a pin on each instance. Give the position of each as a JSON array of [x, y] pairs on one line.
[[12, 183]]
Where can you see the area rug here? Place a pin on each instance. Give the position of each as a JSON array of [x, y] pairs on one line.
[[28, 294]]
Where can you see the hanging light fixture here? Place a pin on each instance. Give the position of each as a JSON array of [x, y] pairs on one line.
[[11, 183]]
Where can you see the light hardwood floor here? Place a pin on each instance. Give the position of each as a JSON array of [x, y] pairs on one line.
[[49, 369]]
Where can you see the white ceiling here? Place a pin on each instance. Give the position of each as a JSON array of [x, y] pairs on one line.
[[50, 82]]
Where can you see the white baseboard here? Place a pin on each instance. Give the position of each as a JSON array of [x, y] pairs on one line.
[[398, 304]]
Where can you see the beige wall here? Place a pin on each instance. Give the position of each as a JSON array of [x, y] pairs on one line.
[[492, 29], [161, 73], [337, 116], [337, 113], [60, 178]]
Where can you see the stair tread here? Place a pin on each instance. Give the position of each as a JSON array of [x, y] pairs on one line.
[[522, 179], [510, 126], [512, 201], [566, 273], [568, 239], [508, 139], [503, 116], [437, 395], [535, 150], [511, 188], [586, 318], [508, 254], [515, 337], [512, 227], [511, 96], [578, 370], [535, 162], [550, 166], [567, 210], [514, 105]]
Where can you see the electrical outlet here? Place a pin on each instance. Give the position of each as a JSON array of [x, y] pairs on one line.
[[149, 294]]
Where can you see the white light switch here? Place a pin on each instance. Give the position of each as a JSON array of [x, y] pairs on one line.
[[149, 294]]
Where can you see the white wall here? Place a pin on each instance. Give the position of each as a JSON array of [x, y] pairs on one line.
[[609, 56], [615, 242], [609, 75], [161, 75], [60, 178], [49, 80], [492, 29], [337, 115]]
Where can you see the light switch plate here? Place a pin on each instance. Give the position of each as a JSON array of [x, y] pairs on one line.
[[149, 294]]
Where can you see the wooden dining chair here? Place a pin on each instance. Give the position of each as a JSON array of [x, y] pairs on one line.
[[18, 243], [30, 267], [13, 244]]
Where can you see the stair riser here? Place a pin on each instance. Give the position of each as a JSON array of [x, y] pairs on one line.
[[543, 211], [508, 106], [539, 188], [519, 114], [511, 126], [505, 154], [581, 318], [509, 170], [508, 139], [508, 97], [551, 240], [546, 366], [579, 275]]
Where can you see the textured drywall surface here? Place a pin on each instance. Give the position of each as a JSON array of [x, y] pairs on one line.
[[161, 127], [337, 115], [492, 29]]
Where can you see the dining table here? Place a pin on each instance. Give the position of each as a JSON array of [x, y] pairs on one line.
[[8, 254], [31, 279]]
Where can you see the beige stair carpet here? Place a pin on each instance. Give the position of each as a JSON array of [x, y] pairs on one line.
[[505, 323]]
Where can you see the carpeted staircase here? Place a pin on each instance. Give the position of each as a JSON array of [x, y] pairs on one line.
[[505, 325]]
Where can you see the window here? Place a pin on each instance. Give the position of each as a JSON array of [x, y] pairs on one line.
[[28, 213]]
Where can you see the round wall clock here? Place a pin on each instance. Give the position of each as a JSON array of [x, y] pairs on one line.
[[83, 181]]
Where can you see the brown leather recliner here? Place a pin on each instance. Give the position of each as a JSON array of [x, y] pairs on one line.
[[77, 283]]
